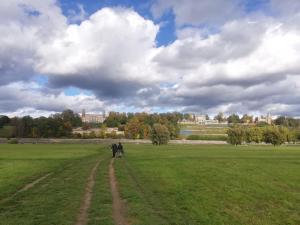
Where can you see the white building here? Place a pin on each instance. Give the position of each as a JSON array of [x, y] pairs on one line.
[[265, 119], [200, 119], [92, 118]]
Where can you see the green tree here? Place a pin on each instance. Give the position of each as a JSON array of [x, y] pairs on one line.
[[247, 119], [71, 117], [274, 136], [236, 135], [234, 118], [4, 120], [254, 134], [220, 117], [160, 134]]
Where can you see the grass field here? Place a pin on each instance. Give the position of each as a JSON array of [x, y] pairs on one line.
[[173, 184], [204, 132]]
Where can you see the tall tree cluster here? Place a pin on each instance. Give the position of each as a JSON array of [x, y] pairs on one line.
[[57, 125], [143, 125], [275, 135]]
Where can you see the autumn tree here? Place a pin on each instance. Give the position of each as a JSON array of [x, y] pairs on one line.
[[132, 128], [160, 134], [236, 135]]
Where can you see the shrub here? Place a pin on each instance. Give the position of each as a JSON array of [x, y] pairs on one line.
[[274, 136], [92, 134], [160, 134], [13, 141], [236, 135]]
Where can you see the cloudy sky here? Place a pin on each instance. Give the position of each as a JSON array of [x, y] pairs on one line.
[[206, 56]]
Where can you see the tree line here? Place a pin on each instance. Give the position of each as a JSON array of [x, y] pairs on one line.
[[158, 127], [54, 126], [275, 135]]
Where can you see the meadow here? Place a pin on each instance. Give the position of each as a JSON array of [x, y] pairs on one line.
[[204, 132], [172, 184]]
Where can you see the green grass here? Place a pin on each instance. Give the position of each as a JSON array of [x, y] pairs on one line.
[[207, 137], [206, 129], [55, 200], [178, 184], [101, 206], [173, 184]]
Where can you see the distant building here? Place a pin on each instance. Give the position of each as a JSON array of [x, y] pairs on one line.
[[207, 122], [92, 118], [265, 119], [200, 118]]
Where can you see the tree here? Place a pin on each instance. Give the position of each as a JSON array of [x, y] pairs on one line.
[[132, 128], [287, 121], [115, 119], [234, 118], [159, 134], [247, 119], [254, 134], [236, 135], [4, 120], [220, 117], [71, 117], [274, 136]]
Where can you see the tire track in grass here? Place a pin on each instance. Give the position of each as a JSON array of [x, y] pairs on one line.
[[32, 184], [118, 206], [27, 187], [82, 217]]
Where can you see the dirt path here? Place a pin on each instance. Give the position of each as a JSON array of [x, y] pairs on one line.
[[82, 217], [118, 206]]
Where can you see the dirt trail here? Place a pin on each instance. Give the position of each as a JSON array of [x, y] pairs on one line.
[[118, 206], [82, 217]]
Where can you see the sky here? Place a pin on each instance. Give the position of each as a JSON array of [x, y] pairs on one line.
[[200, 56]]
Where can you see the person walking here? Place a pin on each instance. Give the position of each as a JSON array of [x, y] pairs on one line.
[[114, 149], [120, 148]]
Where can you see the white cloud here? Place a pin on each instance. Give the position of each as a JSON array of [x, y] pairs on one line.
[[199, 12], [115, 44], [233, 70], [24, 26], [248, 64], [21, 97]]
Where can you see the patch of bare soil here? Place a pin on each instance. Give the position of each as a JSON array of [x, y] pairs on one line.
[[118, 206], [82, 217]]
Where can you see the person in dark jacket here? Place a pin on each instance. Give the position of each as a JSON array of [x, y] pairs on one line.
[[114, 149], [120, 148]]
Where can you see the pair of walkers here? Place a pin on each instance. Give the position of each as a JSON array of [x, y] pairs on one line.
[[117, 150]]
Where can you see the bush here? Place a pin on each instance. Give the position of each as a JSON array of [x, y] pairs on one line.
[[274, 136], [77, 135], [207, 137], [236, 135], [271, 134], [13, 141], [92, 134], [160, 134], [254, 134]]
